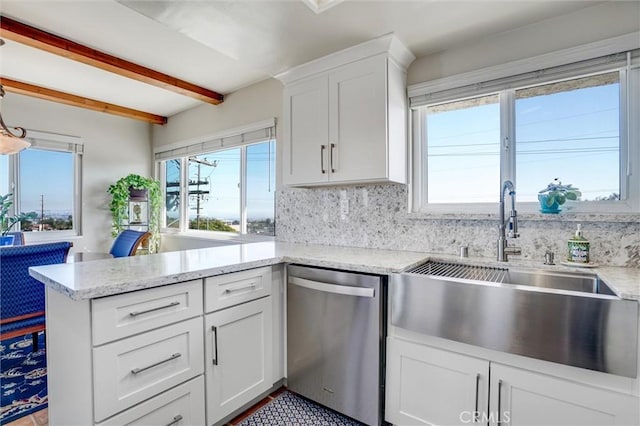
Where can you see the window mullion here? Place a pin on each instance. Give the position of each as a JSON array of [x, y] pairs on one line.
[[184, 194], [243, 189], [161, 175], [507, 136], [14, 184]]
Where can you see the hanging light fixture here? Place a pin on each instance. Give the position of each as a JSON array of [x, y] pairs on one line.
[[11, 141]]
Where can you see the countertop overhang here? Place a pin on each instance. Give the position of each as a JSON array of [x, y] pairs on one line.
[[99, 278]]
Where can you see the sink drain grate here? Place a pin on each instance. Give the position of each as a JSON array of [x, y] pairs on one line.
[[466, 272]]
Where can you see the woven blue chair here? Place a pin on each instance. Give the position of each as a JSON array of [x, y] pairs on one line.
[[128, 242], [22, 306]]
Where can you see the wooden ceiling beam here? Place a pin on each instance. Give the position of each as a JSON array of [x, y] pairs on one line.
[[14, 86], [34, 37]]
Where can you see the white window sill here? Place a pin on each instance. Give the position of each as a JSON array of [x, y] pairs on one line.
[[50, 237], [563, 216], [226, 237]]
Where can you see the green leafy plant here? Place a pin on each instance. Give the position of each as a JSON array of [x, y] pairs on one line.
[[556, 192], [8, 221], [119, 205]]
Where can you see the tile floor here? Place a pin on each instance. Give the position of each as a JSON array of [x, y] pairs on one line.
[[39, 418]]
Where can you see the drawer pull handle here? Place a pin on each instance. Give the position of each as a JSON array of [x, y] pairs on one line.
[[136, 313], [175, 420], [231, 290], [215, 344], [171, 358]]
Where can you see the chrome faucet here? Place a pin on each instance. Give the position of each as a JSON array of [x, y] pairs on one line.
[[503, 249]]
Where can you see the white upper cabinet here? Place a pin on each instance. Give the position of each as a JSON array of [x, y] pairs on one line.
[[344, 116]]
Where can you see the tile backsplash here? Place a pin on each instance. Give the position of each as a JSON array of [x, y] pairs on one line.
[[376, 216]]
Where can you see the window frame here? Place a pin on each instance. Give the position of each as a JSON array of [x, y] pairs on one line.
[[51, 142], [184, 201], [629, 73]]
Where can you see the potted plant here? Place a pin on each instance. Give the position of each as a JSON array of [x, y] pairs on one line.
[[555, 195], [8, 221], [133, 187]]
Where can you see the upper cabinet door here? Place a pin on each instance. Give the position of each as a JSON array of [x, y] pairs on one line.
[[345, 116], [358, 121], [306, 128]]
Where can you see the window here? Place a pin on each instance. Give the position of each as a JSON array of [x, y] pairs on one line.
[[570, 123], [571, 127], [214, 191], [465, 158], [44, 179], [228, 184]]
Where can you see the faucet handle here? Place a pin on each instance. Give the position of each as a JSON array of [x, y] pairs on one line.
[[512, 250]]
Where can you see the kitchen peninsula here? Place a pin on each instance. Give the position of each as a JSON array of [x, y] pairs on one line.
[[136, 337]]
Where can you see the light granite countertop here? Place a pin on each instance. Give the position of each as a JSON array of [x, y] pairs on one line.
[[89, 280], [98, 278]]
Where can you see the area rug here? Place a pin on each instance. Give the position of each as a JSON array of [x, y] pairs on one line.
[[290, 409], [23, 377]]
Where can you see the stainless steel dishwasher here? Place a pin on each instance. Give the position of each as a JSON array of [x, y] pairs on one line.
[[335, 340]]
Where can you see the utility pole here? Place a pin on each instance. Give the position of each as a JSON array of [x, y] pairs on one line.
[[198, 193]]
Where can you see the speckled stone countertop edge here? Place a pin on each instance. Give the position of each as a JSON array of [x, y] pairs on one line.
[[625, 282]]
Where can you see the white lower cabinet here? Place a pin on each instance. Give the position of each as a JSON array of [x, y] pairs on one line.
[[147, 357], [434, 387], [528, 398], [180, 406], [426, 385], [131, 370], [238, 348]]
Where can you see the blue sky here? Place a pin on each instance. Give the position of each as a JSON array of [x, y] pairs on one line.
[[571, 135], [42, 173]]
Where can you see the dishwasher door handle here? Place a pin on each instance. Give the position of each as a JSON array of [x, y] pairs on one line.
[[332, 288]]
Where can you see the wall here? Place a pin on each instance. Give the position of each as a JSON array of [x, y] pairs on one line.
[[378, 218], [378, 214], [254, 103], [587, 25], [113, 148]]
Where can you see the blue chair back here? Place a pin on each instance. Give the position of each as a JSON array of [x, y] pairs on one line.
[[18, 238], [22, 295], [128, 242]]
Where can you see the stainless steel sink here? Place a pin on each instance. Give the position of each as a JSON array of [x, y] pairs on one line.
[[570, 318], [582, 282]]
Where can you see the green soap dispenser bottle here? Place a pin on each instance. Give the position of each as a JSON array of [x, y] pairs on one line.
[[578, 248]]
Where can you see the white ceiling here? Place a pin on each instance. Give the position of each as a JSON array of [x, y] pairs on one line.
[[227, 45]]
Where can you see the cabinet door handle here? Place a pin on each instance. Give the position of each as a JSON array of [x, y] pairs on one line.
[[500, 401], [231, 290], [215, 344], [171, 358], [175, 420], [475, 412], [333, 145], [136, 313], [322, 148]]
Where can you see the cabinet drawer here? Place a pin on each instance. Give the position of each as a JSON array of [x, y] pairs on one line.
[[127, 314], [231, 289], [134, 369], [180, 406]]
